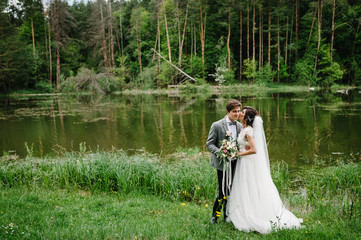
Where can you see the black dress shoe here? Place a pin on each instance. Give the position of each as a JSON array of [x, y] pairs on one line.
[[213, 220]]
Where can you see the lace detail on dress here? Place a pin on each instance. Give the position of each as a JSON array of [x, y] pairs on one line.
[[242, 140]]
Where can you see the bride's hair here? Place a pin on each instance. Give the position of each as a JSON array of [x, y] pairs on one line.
[[250, 115]]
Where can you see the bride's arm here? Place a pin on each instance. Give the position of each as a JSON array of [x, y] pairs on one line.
[[252, 147]]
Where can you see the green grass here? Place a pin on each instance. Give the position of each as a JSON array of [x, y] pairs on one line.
[[244, 89], [111, 195]]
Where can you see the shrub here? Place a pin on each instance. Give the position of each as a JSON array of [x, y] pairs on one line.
[[147, 78], [223, 75], [265, 75], [88, 80]]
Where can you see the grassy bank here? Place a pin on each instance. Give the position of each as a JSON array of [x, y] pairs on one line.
[[110, 195], [244, 89]]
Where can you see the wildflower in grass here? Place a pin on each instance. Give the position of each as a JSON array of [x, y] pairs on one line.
[[183, 204], [206, 205], [199, 188]]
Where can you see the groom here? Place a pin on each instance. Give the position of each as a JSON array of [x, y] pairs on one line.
[[216, 134]]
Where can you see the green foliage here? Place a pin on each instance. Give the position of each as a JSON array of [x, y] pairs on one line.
[[223, 75], [147, 78], [165, 76], [265, 75], [193, 67], [44, 86], [331, 74], [81, 37], [303, 72], [357, 73], [249, 68], [122, 71], [328, 73]]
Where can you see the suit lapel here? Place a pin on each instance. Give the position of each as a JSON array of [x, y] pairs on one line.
[[239, 128], [225, 127]]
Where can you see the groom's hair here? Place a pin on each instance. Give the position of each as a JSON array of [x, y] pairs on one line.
[[233, 104]]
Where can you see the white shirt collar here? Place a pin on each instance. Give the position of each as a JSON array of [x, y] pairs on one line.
[[227, 119]]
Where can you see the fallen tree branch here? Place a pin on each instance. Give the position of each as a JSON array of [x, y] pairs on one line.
[[185, 74]]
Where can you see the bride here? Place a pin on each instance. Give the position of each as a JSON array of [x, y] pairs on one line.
[[254, 203]]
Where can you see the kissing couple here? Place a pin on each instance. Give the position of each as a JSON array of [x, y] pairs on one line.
[[249, 198]]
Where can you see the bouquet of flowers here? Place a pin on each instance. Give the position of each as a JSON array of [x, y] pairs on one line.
[[228, 149]]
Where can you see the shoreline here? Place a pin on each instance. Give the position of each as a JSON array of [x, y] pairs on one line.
[[249, 89]]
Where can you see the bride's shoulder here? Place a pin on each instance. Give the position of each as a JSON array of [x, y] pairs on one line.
[[249, 130]]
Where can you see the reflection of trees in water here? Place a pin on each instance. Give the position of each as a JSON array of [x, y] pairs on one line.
[[204, 131], [296, 125]]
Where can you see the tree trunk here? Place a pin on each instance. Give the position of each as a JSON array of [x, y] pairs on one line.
[[278, 49], [50, 57], [57, 68], [139, 47], [166, 30], [104, 43], [195, 41], [46, 42], [33, 34], [254, 32], [291, 34], [228, 39], [57, 42], [183, 36], [269, 32], [248, 29], [158, 29], [240, 45], [319, 19], [333, 29], [203, 32], [179, 30], [192, 41], [353, 51], [310, 35], [286, 47], [111, 33], [260, 36], [254, 37], [121, 31], [296, 53]]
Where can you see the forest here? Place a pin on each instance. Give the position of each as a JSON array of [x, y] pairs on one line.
[[111, 45]]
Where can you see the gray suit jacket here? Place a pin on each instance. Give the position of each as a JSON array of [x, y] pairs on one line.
[[216, 135]]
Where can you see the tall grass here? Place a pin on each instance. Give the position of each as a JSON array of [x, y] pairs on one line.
[[185, 175], [176, 177]]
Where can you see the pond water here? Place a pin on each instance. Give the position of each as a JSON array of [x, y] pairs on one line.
[[298, 126]]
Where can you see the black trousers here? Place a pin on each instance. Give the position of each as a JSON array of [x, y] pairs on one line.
[[217, 207]]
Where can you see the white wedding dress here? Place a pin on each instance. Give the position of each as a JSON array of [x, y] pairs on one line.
[[254, 203]]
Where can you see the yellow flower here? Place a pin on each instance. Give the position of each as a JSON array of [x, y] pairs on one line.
[[206, 205], [219, 200], [224, 197], [306, 232], [183, 204], [199, 188]]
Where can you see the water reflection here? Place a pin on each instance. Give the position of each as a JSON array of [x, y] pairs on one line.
[[297, 126]]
